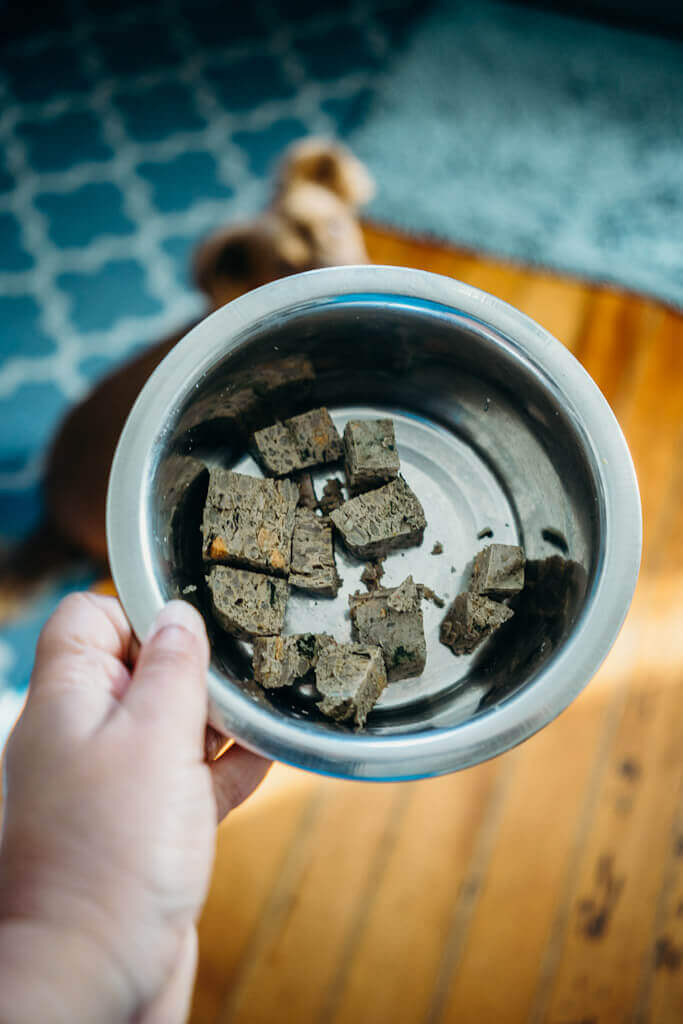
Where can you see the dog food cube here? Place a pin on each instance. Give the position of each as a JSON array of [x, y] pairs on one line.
[[247, 604], [315, 437], [370, 453], [470, 619], [498, 571], [392, 619], [374, 523], [313, 567], [333, 496], [282, 660], [372, 574], [350, 679], [249, 521], [275, 449]]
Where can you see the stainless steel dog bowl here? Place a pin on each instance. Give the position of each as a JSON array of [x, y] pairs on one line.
[[502, 435]]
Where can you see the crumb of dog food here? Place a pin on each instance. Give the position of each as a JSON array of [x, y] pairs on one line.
[[470, 619], [350, 679], [486, 532], [498, 571], [392, 619], [313, 567], [333, 496], [247, 604], [374, 523], [427, 594], [249, 521], [189, 589], [438, 548], [316, 437], [453, 569], [370, 454], [372, 574], [275, 449], [307, 498], [283, 660]]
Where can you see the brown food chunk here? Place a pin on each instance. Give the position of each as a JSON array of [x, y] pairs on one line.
[[313, 567], [350, 679], [370, 453], [438, 548], [333, 496], [470, 619], [249, 522], [298, 443], [282, 660], [275, 449], [372, 574], [427, 594], [315, 437], [392, 619], [307, 498], [498, 571], [247, 604], [377, 522]]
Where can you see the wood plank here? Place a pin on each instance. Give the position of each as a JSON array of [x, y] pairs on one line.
[[663, 977], [251, 853], [559, 304], [614, 900], [396, 960], [536, 841], [296, 961], [500, 278], [653, 422]]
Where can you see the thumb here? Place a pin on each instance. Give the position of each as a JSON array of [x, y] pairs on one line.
[[168, 689]]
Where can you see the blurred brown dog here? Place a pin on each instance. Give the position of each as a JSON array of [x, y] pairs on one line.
[[311, 222]]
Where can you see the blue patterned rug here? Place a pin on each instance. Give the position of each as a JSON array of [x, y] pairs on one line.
[[129, 131]]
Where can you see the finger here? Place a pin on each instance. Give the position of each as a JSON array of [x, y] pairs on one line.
[[168, 689], [82, 623], [172, 1004], [235, 776], [82, 650]]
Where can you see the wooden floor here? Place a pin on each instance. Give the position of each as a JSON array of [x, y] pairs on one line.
[[545, 886]]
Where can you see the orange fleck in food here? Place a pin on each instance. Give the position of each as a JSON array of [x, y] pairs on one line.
[[265, 539], [277, 559], [218, 548]]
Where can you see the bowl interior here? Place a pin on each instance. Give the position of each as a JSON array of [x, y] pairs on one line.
[[487, 441]]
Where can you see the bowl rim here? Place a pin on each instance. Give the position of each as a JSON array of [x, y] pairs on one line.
[[360, 755]]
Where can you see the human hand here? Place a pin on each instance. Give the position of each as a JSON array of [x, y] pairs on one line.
[[110, 815]]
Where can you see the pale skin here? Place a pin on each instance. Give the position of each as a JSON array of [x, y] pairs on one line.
[[110, 813]]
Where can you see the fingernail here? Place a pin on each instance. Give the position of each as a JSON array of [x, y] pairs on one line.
[[179, 613]]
